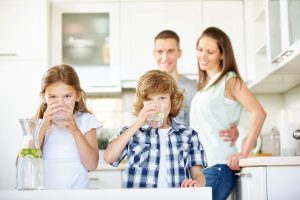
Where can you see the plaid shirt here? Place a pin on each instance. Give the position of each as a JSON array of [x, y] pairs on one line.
[[143, 155]]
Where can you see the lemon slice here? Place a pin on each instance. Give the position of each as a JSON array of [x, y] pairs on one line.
[[31, 153]]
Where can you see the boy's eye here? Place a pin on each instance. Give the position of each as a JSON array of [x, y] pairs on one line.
[[162, 98]]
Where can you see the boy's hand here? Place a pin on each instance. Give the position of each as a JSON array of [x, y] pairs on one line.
[[149, 108], [231, 134], [189, 183]]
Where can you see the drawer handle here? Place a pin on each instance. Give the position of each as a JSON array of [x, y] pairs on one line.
[[94, 179], [8, 54]]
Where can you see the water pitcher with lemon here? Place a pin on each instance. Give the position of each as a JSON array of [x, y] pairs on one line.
[[30, 175]]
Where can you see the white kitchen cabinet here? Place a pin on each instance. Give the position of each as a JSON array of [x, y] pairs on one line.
[[85, 35], [188, 19], [23, 29], [106, 176], [141, 21], [268, 178], [252, 184], [232, 23], [273, 44], [20, 88]]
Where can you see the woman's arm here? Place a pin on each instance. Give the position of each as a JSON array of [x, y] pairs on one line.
[[239, 91]]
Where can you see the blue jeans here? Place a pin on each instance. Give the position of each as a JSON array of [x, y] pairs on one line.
[[222, 180]]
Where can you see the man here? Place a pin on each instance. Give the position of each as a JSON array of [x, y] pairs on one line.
[[166, 53]]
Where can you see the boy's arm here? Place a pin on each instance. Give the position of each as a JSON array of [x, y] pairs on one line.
[[198, 178], [197, 175], [115, 148]]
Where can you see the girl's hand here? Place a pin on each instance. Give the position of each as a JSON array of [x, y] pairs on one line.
[[49, 114], [189, 183], [233, 161], [70, 121]]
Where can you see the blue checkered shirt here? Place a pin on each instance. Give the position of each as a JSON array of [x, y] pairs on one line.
[[143, 155]]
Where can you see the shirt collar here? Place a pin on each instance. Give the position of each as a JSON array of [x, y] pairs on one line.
[[174, 126]]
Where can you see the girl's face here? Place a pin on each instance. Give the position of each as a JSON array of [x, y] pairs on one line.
[[209, 55], [61, 94], [164, 103]]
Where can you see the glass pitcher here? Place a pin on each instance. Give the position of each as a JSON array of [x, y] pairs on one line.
[[30, 175]]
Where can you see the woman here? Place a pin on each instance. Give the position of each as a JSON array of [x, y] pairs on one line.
[[218, 104]]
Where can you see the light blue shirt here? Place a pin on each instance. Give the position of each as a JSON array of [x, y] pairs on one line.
[[211, 112]]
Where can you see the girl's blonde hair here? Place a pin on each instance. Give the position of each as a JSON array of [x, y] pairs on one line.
[[158, 82], [67, 75]]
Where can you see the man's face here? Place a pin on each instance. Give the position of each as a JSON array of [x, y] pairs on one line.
[[166, 52]]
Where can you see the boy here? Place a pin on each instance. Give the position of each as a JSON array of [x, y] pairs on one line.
[[166, 156]]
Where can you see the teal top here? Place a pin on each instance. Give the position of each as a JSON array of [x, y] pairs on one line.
[[211, 112]]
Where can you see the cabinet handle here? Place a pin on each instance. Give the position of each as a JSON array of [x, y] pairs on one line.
[[94, 179], [248, 175], [278, 60], [287, 53], [8, 54]]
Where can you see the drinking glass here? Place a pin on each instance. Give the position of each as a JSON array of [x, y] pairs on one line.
[[156, 120]]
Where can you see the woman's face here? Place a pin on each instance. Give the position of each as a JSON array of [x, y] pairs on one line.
[[209, 55], [61, 94]]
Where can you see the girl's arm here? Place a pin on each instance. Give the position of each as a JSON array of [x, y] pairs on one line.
[[198, 178], [88, 148], [239, 91]]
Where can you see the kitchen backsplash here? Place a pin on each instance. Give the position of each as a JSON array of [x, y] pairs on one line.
[[113, 111]]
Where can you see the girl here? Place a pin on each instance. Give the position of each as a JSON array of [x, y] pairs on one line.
[[68, 132], [217, 105]]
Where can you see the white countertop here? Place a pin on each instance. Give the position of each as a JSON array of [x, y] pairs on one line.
[[270, 161], [203, 193], [108, 167]]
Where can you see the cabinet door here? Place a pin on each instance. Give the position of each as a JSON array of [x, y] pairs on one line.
[[110, 179], [252, 184], [142, 21], [283, 182], [86, 36], [23, 29], [20, 84], [232, 23]]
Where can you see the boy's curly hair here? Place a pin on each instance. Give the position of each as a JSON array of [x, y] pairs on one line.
[[158, 82]]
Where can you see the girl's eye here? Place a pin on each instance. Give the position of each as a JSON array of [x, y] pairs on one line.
[[51, 97], [210, 52], [68, 96]]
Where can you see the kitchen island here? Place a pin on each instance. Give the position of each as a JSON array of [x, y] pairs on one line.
[[203, 193], [269, 178]]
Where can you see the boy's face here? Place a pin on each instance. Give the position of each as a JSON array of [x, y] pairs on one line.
[[166, 53], [164, 102]]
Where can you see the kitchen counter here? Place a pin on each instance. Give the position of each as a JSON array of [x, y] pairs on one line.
[[108, 167], [270, 161], [203, 193]]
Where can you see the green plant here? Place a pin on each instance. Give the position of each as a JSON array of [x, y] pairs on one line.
[[102, 143]]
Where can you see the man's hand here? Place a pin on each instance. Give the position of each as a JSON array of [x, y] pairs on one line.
[[231, 134]]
